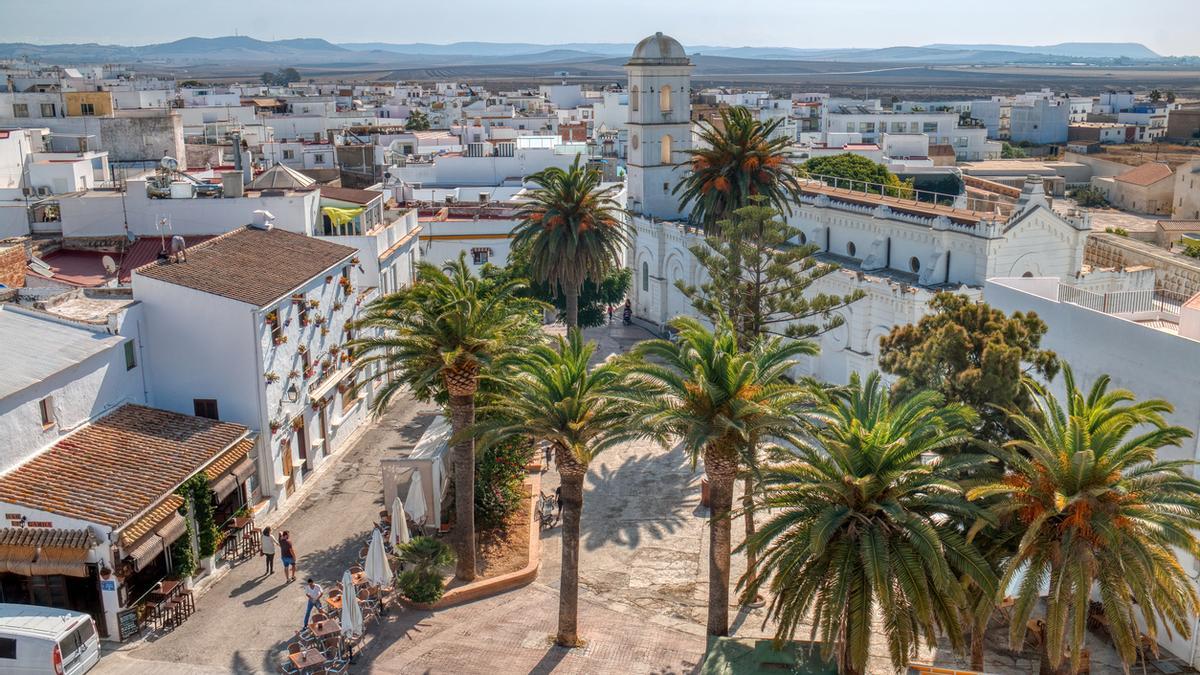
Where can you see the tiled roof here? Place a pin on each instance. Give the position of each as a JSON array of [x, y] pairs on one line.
[[147, 523], [55, 551], [111, 470], [349, 194], [226, 461], [251, 265], [1146, 174]]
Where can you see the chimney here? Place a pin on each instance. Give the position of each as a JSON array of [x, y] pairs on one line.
[[263, 220], [233, 184], [247, 166]]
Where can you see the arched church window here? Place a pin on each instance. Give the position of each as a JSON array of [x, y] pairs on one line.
[[665, 151], [664, 98], [633, 100], [646, 276]]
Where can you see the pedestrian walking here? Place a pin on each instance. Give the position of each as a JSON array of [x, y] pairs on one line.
[[287, 554], [610, 314], [269, 544], [314, 592]]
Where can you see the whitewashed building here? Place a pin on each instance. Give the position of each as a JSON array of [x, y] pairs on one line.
[[898, 252], [251, 327]]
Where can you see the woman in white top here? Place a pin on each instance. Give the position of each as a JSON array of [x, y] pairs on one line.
[[269, 545]]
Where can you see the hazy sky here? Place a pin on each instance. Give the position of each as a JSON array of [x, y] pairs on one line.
[[1166, 26]]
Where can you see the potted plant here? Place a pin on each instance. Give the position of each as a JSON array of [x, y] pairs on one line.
[[293, 373], [337, 306], [272, 317], [276, 425], [328, 278], [280, 340], [272, 376], [302, 349], [314, 303], [324, 331], [354, 260], [298, 422], [425, 558]]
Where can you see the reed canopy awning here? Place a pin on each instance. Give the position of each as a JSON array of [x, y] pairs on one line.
[[30, 551]]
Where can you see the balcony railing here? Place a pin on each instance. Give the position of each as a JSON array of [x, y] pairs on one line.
[[1124, 302]]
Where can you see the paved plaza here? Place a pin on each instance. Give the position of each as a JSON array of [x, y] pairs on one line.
[[643, 575]]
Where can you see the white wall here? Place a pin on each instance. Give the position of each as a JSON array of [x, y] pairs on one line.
[[81, 393], [104, 214]]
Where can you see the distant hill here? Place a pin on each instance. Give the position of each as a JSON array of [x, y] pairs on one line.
[[1102, 50], [315, 53]]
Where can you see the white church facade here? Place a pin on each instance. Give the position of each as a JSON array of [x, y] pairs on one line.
[[898, 252]]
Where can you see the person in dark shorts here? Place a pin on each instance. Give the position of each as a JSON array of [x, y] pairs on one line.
[[287, 555]]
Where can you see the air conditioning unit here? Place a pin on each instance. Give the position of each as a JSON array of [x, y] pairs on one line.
[[43, 191], [28, 191]]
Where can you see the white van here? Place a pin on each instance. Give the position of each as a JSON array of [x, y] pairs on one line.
[[44, 640]]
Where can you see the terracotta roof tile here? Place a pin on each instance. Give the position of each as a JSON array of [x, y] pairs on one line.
[[226, 461], [113, 469], [1146, 174], [251, 265], [147, 523]]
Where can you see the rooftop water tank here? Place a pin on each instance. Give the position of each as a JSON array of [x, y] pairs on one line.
[[181, 189]]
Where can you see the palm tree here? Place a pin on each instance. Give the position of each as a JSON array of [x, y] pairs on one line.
[[573, 230], [552, 395], [1099, 511], [863, 522], [716, 398], [435, 338], [735, 161]]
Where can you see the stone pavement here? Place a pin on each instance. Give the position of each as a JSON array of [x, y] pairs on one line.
[[643, 576]]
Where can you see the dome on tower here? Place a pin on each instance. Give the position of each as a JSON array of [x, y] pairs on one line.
[[659, 50]]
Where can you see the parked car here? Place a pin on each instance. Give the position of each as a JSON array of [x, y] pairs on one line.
[[44, 640]]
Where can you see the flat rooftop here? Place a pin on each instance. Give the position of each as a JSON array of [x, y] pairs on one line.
[[36, 346]]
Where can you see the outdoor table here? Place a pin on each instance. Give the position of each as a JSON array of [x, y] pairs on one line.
[[359, 578], [335, 603], [326, 627], [303, 662]]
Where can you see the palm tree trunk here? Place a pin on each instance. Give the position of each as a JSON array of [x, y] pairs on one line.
[[462, 416], [846, 667], [722, 473], [751, 556], [571, 316], [572, 474], [977, 633]]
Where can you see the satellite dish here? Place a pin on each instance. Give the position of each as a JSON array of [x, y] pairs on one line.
[[169, 163], [110, 265]]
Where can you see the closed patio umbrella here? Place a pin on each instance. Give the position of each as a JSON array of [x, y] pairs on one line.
[[399, 532], [352, 618], [378, 571], [414, 503]]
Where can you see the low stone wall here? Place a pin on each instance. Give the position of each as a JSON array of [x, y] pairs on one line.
[[1173, 272]]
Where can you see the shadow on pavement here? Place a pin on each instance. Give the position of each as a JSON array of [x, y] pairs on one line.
[[646, 495]]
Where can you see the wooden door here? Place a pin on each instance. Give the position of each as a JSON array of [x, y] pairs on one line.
[[287, 467], [324, 430], [302, 440]]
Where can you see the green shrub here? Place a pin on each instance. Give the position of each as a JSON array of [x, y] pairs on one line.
[[1119, 231], [1191, 248], [499, 478], [424, 558], [1089, 196], [421, 587]]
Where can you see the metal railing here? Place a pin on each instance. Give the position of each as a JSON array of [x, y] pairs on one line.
[[926, 198], [1124, 302]]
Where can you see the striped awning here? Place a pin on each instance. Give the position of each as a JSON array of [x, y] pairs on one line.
[[149, 546], [230, 469], [36, 550], [149, 535]]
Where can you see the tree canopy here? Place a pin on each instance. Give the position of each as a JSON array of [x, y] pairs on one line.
[[281, 77], [971, 353], [847, 169], [417, 121]]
